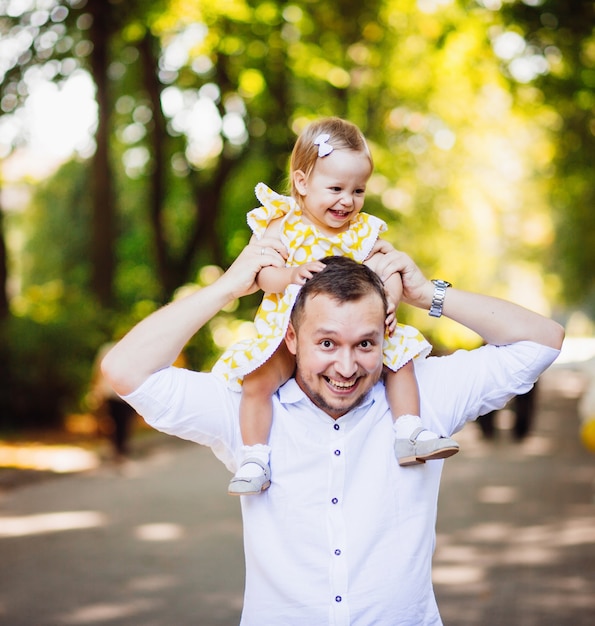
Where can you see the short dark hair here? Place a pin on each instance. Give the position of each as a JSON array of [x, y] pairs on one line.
[[344, 280]]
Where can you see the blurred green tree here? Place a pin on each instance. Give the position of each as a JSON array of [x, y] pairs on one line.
[[559, 36], [199, 101]]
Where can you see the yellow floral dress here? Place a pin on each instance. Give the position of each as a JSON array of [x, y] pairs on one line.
[[306, 243]]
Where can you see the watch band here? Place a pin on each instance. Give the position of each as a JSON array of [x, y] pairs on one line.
[[440, 287]]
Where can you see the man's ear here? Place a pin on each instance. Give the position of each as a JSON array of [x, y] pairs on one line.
[[300, 181], [291, 339]]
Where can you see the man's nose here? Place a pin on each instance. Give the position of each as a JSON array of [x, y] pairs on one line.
[[346, 364]]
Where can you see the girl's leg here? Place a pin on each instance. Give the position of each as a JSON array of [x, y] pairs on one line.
[[402, 392], [256, 416], [414, 444]]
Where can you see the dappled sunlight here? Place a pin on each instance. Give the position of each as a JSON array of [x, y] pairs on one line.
[[152, 583], [517, 531], [108, 612], [537, 446], [574, 533], [222, 600], [541, 554], [227, 332], [566, 381], [159, 532], [489, 532], [42, 523], [498, 494], [576, 350], [497, 545], [52, 458], [458, 574]]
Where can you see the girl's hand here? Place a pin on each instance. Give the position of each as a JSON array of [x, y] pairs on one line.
[[301, 273], [391, 317]]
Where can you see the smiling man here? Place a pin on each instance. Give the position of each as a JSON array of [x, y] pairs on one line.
[[344, 535]]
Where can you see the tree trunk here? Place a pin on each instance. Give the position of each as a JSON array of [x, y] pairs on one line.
[[4, 305], [103, 221], [158, 141]]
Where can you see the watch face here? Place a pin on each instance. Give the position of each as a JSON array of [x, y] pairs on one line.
[[441, 283]]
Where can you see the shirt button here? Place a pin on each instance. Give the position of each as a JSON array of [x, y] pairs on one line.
[[335, 500], [337, 452], [338, 552], [338, 598], [336, 427]]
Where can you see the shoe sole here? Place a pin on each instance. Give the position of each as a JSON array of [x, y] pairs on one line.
[[445, 453], [250, 493]]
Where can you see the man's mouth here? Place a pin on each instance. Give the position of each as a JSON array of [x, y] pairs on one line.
[[340, 384]]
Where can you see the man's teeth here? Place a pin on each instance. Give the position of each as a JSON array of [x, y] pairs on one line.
[[341, 385]]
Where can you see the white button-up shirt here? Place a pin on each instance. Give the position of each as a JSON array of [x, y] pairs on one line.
[[344, 536]]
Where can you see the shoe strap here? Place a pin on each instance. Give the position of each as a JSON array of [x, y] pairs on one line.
[[415, 434], [265, 468]]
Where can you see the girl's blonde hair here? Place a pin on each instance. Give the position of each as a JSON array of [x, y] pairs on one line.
[[343, 135]]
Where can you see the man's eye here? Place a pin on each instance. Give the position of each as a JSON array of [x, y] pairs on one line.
[[366, 344], [326, 343]]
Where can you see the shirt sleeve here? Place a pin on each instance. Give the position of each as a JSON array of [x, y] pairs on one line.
[[460, 387], [196, 406]]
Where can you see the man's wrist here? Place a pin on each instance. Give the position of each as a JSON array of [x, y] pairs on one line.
[[437, 303]]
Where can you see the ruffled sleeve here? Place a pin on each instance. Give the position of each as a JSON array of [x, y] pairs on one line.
[[273, 206]]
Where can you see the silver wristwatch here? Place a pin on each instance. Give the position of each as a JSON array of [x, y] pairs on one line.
[[440, 287]]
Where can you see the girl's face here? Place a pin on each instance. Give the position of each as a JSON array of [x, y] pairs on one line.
[[334, 192]]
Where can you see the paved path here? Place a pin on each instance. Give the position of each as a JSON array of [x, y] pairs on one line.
[[160, 545], [516, 528]]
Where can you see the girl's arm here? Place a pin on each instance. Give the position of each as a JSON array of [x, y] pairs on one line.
[[276, 279]]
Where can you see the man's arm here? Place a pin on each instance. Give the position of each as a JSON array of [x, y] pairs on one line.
[[156, 341], [497, 321]]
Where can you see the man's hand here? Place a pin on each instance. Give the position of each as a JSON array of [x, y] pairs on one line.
[[241, 274], [417, 290]]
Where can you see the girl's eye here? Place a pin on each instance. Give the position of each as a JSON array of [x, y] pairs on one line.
[[366, 344]]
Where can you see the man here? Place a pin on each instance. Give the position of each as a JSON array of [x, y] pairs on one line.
[[344, 536]]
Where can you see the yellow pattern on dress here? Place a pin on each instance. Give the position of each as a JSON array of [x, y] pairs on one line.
[[305, 243]]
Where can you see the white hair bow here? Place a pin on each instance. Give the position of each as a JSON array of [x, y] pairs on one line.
[[323, 148]]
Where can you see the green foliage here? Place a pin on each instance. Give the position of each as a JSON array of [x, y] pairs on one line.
[[49, 351], [207, 101], [563, 33], [56, 230]]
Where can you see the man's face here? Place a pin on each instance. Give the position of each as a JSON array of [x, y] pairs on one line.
[[338, 350]]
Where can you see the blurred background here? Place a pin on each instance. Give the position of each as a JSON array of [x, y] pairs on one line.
[[132, 135], [133, 132]]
